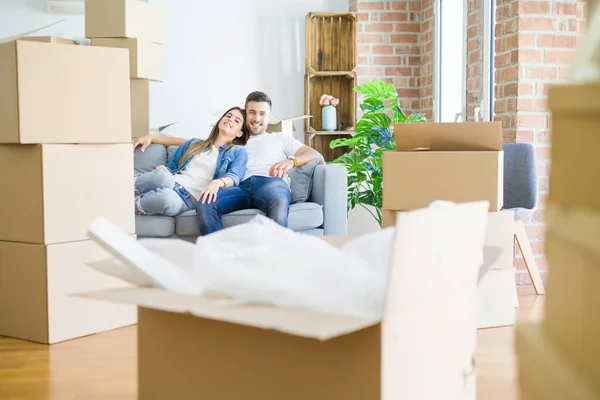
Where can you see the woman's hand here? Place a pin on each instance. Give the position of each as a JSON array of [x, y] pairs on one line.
[[210, 191], [161, 167], [143, 141]]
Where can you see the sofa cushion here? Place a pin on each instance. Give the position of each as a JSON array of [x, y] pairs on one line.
[[303, 216], [302, 181], [170, 151], [149, 159], [154, 226]]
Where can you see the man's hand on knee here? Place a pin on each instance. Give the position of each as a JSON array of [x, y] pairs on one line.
[[280, 169]]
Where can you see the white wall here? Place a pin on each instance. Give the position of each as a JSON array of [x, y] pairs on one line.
[[216, 53]]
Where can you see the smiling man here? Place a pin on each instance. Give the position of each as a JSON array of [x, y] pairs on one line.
[[265, 184]]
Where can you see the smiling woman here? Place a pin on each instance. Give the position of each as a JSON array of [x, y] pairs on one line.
[[197, 170]]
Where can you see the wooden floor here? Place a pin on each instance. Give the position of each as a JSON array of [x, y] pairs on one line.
[[104, 366]]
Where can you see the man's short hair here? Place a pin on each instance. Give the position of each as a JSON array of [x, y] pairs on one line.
[[259, 97]]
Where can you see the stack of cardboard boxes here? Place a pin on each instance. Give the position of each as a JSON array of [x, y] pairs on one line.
[[65, 157], [458, 162], [140, 27], [560, 358]]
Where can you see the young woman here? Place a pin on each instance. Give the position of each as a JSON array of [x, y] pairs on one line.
[[197, 170]]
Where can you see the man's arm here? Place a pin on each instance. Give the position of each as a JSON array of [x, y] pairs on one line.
[[145, 141], [303, 155], [306, 154]]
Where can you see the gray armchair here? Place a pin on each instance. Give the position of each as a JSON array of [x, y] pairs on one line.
[[520, 195], [324, 214]]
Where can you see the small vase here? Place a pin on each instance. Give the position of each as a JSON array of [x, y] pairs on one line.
[[329, 118]]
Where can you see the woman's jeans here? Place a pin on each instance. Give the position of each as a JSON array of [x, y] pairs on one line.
[[157, 193]]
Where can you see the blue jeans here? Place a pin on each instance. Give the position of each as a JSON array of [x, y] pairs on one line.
[[270, 195], [157, 193]]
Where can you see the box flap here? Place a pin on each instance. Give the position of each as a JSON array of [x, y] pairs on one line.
[[285, 125], [296, 322], [449, 136], [20, 35], [49, 39], [573, 100], [294, 118]]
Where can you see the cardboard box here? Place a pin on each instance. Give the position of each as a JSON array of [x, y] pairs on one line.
[[140, 107], [575, 116], [49, 39], [286, 125], [572, 320], [125, 19], [459, 162], [36, 282], [497, 299], [146, 59], [285, 353], [497, 291], [52, 192], [53, 93], [543, 370]]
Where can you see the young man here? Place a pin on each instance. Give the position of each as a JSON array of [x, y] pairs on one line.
[[265, 185]]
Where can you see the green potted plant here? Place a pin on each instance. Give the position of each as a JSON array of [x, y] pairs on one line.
[[374, 134]]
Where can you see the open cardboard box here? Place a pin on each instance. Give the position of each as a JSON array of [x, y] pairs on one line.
[[191, 346], [53, 92], [459, 162], [286, 125]]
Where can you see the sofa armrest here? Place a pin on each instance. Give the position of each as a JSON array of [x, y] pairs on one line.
[[330, 187]]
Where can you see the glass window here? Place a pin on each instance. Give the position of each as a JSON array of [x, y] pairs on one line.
[[450, 60]]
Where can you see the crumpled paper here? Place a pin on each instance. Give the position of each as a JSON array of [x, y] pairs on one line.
[[261, 262]]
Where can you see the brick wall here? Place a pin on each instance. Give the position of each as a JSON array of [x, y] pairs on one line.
[[427, 57], [535, 46], [389, 46], [474, 56]]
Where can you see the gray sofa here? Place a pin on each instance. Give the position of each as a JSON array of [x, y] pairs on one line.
[[323, 214]]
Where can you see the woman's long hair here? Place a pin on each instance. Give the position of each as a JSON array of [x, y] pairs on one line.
[[198, 148]]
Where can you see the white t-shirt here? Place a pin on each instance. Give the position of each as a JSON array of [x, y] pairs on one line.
[[199, 172], [266, 149]]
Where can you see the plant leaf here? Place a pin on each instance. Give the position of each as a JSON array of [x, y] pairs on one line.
[[371, 104], [346, 142], [372, 122], [415, 117], [377, 90], [397, 113]]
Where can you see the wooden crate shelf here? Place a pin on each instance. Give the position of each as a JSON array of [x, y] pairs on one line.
[[330, 69], [342, 87], [313, 73], [330, 41]]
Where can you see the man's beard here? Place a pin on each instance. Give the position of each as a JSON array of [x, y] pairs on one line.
[[258, 131]]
